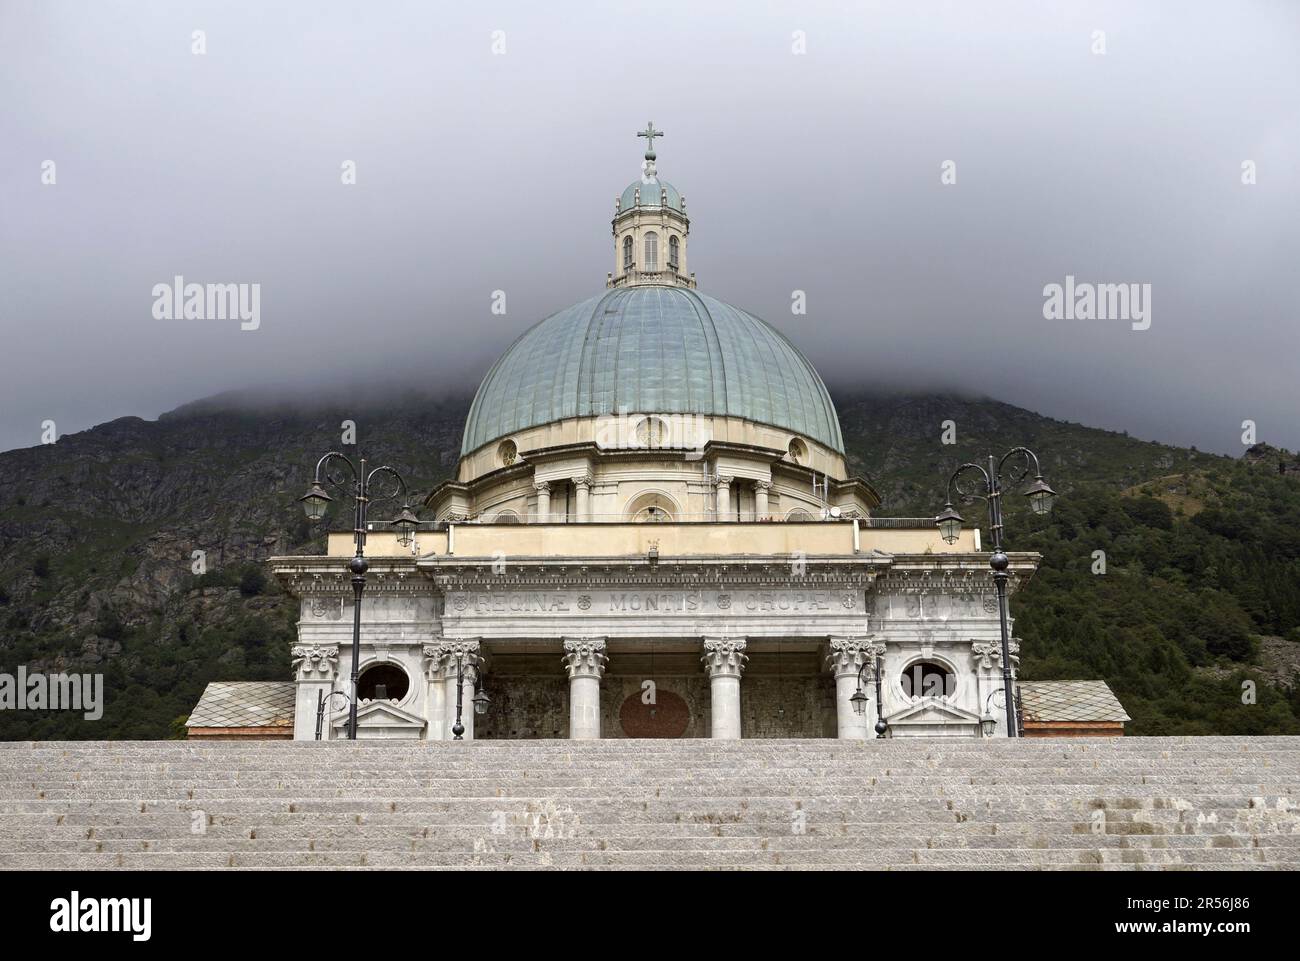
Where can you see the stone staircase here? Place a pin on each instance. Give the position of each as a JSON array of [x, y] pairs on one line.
[[1112, 803]]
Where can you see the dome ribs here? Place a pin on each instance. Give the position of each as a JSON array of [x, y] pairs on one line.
[[651, 349]]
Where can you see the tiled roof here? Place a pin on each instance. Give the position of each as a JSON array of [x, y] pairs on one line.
[[245, 704], [1045, 701]]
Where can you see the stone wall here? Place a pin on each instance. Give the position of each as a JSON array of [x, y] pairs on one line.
[[778, 698], [797, 706], [526, 707]]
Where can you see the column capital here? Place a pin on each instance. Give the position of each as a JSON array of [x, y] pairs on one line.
[[542, 487], [465, 650], [584, 479], [724, 480], [848, 654], [724, 656], [453, 647], [762, 485], [435, 661], [585, 656], [984, 653], [315, 663]]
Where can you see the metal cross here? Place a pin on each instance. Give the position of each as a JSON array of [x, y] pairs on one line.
[[650, 133]]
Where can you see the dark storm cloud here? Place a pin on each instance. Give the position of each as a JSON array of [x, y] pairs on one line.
[[818, 172]]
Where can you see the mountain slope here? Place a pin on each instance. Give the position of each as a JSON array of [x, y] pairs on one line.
[[98, 535]]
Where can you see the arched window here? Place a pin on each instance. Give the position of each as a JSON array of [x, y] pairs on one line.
[[928, 679], [382, 682], [673, 249], [627, 252], [651, 251], [651, 507]]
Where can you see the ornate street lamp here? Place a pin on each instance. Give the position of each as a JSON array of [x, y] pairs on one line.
[[989, 723], [405, 524], [480, 700], [989, 489], [321, 701], [316, 502], [859, 698]]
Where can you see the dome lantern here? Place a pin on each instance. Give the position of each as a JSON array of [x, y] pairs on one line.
[[650, 229]]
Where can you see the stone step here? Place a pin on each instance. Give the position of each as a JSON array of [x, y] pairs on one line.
[[638, 781], [875, 858], [481, 810], [970, 794], [1277, 848], [907, 804], [1011, 831], [903, 749], [1114, 806]]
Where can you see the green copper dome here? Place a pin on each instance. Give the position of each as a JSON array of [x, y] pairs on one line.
[[651, 349], [652, 195]]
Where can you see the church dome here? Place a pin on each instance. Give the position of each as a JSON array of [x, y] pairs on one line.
[[652, 193], [652, 349]]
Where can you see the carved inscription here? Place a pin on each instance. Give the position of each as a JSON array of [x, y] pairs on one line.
[[652, 602]]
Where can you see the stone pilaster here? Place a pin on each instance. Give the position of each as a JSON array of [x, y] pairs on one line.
[[315, 669], [986, 659], [846, 658], [584, 659], [724, 659], [460, 656], [435, 701]]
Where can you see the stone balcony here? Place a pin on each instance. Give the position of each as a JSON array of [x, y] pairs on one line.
[[669, 278]]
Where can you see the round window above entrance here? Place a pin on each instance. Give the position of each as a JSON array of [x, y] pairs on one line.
[[382, 682], [928, 679]]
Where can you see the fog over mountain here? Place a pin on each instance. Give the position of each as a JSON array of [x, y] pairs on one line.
[[489, 142]]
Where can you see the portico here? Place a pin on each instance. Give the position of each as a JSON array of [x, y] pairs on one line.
[[586, 644]]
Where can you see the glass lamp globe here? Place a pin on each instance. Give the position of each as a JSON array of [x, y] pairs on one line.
[[949, 523], [315, 502]]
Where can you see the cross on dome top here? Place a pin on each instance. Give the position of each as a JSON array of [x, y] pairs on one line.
[[650, 133]]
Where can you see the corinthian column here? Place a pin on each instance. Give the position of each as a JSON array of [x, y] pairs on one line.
[[760, 499], [724, 497], [584, 658], [847, 656], [724, 659], [543, 489], [582, 484]]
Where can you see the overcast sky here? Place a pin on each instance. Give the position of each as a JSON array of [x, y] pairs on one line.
[[819, 171]]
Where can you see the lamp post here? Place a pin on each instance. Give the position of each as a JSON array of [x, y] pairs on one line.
[[316, 502], [987, 721], [320, 708], [859, 698], [480, 698], [1021, 460]]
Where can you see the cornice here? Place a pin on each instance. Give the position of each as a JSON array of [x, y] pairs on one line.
[[669, 573]]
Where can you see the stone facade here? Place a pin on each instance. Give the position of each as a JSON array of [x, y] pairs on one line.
[[695, 645]]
